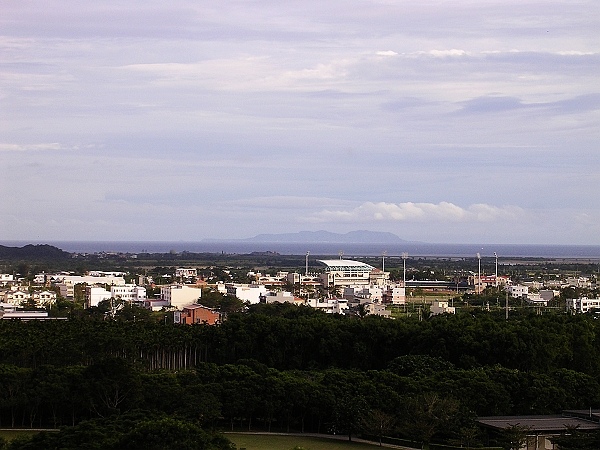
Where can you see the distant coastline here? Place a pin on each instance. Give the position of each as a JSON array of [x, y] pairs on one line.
[[414, 249]]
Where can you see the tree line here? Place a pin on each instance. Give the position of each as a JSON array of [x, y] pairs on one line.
[[282, 367]]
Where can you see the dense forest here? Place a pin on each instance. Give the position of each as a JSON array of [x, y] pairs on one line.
[[288, 368]]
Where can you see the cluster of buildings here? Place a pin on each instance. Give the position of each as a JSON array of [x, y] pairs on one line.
[[341, 286]]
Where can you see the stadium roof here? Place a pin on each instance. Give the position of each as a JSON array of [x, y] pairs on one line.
[[346, 264]]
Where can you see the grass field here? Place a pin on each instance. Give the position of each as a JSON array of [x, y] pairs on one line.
[[271, 442], [9, 435]]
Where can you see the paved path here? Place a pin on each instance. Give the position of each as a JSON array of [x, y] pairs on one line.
[[339, 437]]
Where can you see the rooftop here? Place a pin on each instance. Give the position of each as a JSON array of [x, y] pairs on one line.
[[346, 264]]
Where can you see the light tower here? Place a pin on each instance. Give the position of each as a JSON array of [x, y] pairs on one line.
[[306, 271], [496, 277], [479, 274], [383, 255], [404, 256]]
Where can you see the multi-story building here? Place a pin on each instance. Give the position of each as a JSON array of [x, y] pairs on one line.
[[180, 295], [518, 291], [94, 295], [131, 293], [346, 273]]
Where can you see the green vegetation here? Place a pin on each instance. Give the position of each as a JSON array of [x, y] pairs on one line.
[[287, 368]]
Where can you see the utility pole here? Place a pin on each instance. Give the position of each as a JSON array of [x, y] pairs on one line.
[[506, 305], [306, 272]]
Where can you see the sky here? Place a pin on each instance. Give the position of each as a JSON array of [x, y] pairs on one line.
[[452, 121]]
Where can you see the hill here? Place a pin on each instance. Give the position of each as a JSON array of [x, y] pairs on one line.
[[353, 237], [33, 252]]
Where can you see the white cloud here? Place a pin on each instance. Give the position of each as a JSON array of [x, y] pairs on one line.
[[445, 53], [386, 53], [420, 212], [29, 147]]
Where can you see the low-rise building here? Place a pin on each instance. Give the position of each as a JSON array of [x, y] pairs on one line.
[[195, 313], [44, 298], [329, 305], [582, 304], [251, 293], [282, 297], [16, 296], [441, 307], [518, 291]]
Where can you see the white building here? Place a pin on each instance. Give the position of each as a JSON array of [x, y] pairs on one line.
[[180, 295], [283, 297], [251, 293], [186, 273], [583, 304], [94, 295], [346, 273], [131, 293], [66, 283], [16, 297], [6, 278], [397, 295], [364, 294], [441, 307], [518, 291], [329, 305], [44, 298]]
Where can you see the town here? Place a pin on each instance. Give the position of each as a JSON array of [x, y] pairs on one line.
[[335, 286]]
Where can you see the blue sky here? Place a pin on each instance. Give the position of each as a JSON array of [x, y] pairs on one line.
[[441, 121]]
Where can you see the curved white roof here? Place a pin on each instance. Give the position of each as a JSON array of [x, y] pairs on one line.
[[346, 264]]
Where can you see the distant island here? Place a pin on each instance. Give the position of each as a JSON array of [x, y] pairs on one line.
[[324, 237]]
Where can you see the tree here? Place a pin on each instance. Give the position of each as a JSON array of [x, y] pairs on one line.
[[515, 436]]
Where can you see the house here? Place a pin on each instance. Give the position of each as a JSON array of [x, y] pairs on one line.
[[441, 307], [539, 430], [44, 298], [196, 313], [16, 297]]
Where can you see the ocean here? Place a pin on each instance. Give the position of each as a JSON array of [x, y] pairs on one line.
[[414, 249]]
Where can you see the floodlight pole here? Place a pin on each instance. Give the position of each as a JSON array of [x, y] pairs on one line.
[[479, 274], [496, 278], [306, 271], [404, 256]]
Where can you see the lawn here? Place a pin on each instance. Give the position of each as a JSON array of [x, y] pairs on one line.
[[274, 442], [10, 434]]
